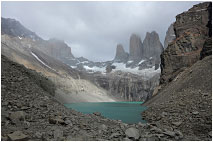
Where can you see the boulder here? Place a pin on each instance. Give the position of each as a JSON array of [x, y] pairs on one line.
[[17, 136], [17, 116], [56, 121], [58, 134], [132, 133]]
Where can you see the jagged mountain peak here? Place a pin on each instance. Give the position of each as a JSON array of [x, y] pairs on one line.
[[135, 47], [152, 46], [153, 35], [14, 28], [121, 55]]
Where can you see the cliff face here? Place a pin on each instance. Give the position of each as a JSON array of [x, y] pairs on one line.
[[126, 86], [170, 36], [191, 32], [152, 46], [58, 49], [121, 55], [135, 48]]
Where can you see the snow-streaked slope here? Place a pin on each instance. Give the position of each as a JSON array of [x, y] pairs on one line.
[[42, 61]]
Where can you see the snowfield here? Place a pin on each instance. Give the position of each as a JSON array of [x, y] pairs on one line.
[[146, 73], [95, 69]]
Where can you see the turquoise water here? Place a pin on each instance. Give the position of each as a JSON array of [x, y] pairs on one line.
[[128, 112]]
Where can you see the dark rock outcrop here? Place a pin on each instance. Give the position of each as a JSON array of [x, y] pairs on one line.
[[170, 36], [152, 47], [135, 48], [191, 32], [15, 28], [207, 48], [121, 55]]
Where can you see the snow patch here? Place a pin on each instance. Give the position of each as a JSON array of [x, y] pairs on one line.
[[146, 73], [42, 61], [73, 66], [201, 10], [95, 69], [84, 62], [129, 62], [141, 62]]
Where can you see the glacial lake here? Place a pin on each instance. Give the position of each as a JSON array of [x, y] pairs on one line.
[[128, 112]]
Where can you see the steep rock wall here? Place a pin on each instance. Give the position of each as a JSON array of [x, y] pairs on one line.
[[191, 31]]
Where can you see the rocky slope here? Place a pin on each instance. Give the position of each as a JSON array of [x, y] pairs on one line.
[[170, 36], [191, 32], [184, 99], [186, 103], [71, 85], [31, 113]]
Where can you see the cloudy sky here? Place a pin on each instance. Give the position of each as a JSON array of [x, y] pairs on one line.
[[93, 29]]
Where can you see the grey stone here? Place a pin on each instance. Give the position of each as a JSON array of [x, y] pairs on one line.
[[169, 133], [114, 135], [126, 139], [132, 133], [17, 116], [58, 134], [67, 122], [17, 136], [179, 134], [38, 135], [177, 123], [103, 127], [97, 113], [155, 129], [210, 133], [195, 112], [56, 121]]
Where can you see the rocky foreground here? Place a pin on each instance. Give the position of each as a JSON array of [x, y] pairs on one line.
[[29, 112], [186, 103]]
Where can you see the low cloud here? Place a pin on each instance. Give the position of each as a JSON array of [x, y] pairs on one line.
[[93, 29]]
